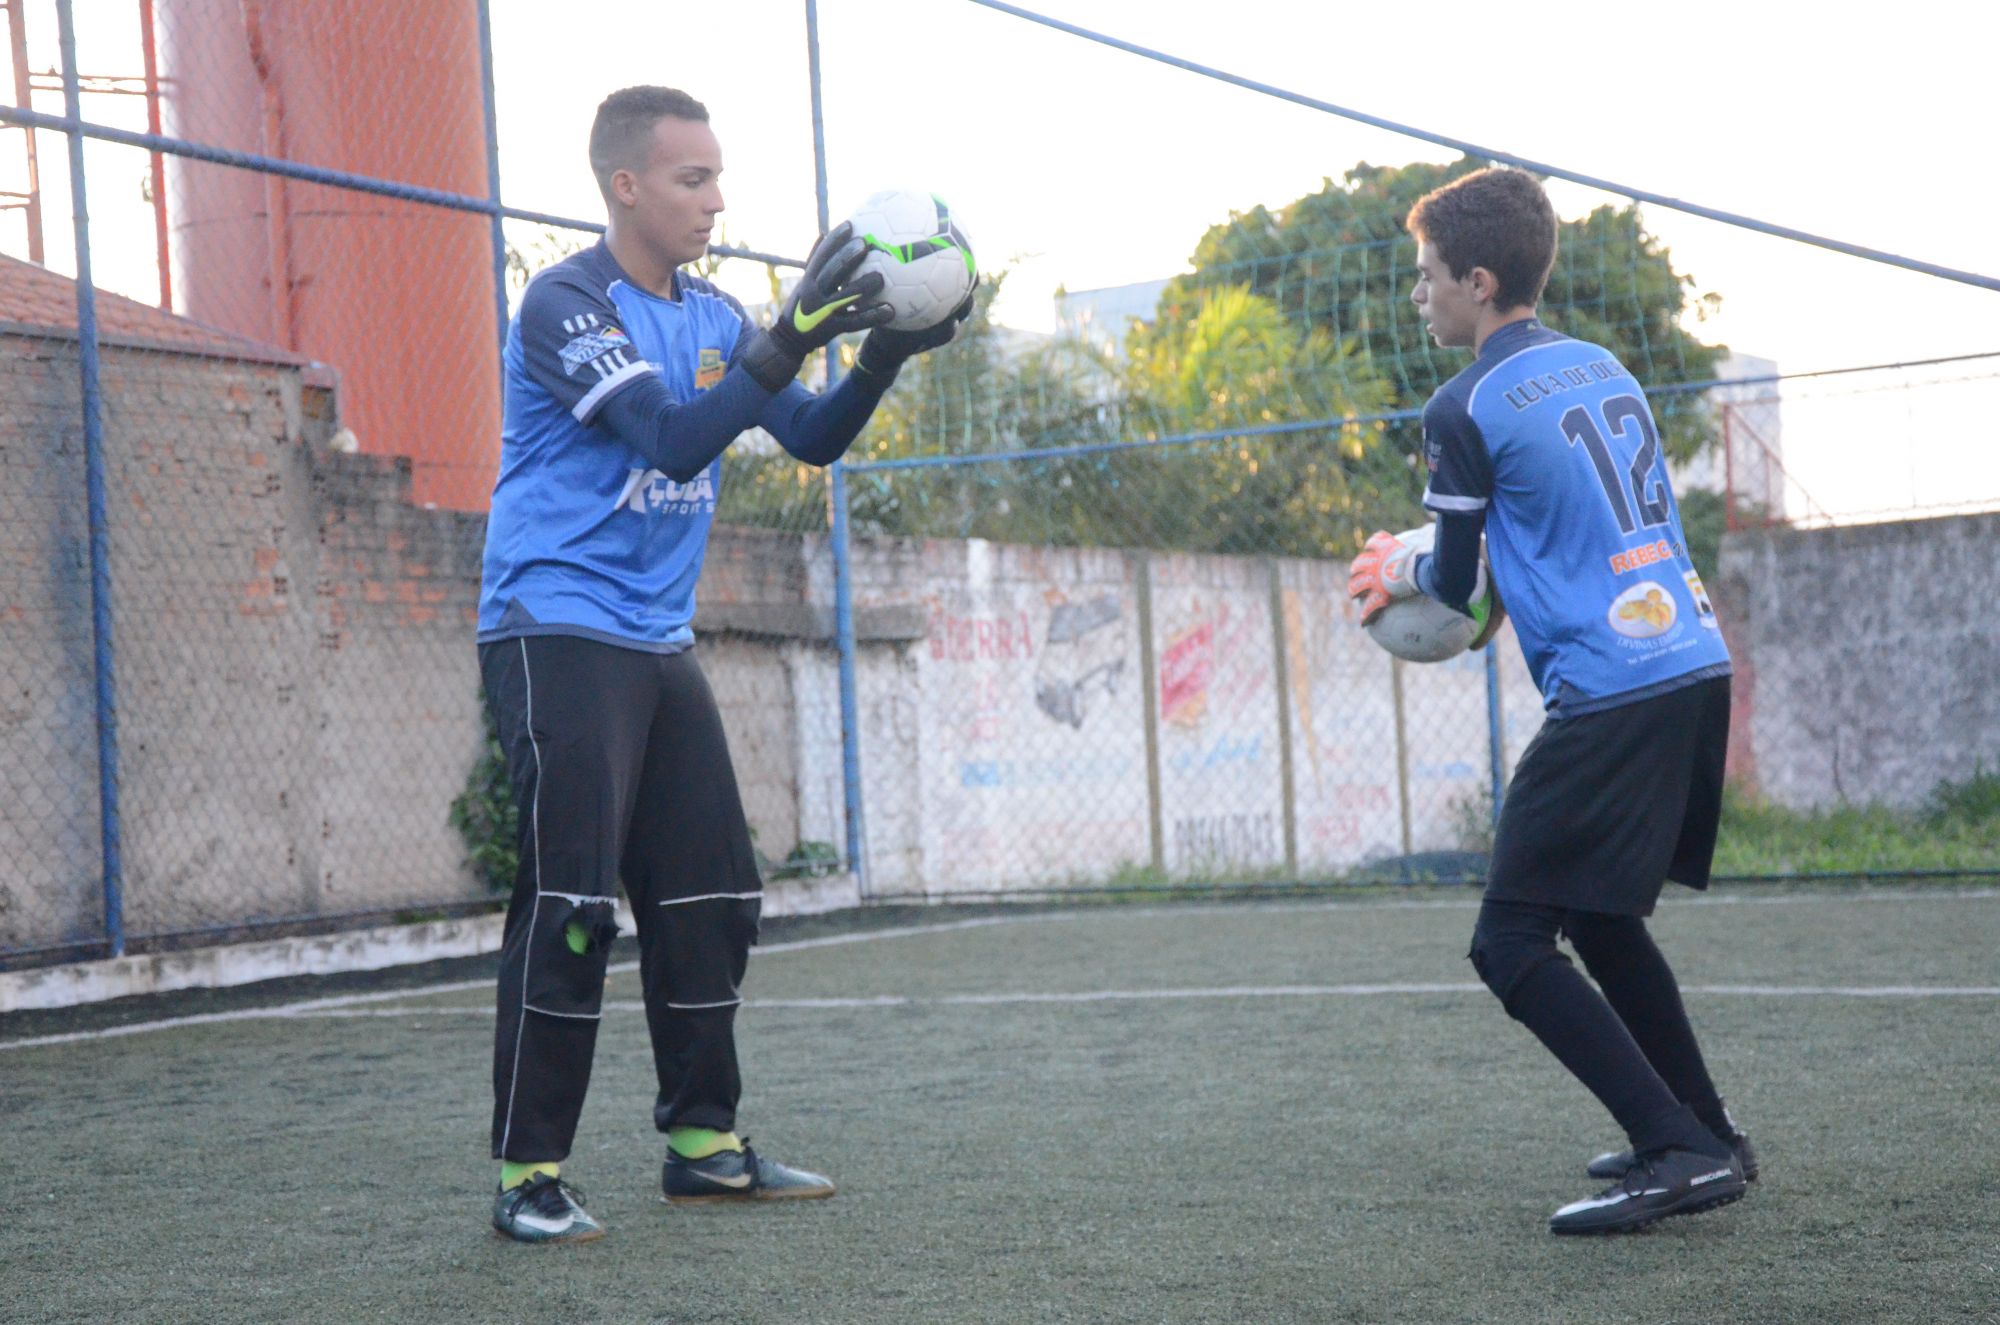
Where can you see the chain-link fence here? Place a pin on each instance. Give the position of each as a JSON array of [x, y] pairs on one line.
[[1071, 616]]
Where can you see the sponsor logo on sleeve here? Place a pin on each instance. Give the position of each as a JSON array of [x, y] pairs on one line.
[[604, 348], [1644, 611]]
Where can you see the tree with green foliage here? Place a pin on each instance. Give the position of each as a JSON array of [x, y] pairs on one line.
[[1220, 357], [1215, 361], [1339, 260]]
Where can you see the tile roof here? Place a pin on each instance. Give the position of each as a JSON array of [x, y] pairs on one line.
[[37, 302]]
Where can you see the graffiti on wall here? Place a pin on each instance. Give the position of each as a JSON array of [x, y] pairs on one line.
[[1083, 657], [995, 637], [1227, 840]]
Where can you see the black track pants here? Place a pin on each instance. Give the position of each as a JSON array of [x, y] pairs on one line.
[[621, 773]]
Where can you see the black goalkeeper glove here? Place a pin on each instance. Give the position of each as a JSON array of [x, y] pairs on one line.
[[885, 349], [828, 301]]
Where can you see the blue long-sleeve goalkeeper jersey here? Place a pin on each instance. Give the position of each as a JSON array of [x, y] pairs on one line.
[[1550, 442], [618, 404]]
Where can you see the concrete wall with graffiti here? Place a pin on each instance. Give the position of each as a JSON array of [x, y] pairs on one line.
[[1065, 717]]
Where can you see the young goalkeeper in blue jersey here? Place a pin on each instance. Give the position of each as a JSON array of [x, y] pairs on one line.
[[1546, 445], [625, 378]]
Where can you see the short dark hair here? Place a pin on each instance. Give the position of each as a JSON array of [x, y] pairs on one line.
[[622, 134], [1497, 219]]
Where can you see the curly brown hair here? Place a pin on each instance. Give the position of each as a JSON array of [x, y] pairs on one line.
[[1497, 219]]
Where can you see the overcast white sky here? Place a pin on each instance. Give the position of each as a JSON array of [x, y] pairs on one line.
[[1085, 166]]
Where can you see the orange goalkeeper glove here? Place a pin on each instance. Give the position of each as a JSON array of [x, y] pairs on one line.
[[1385, 571]]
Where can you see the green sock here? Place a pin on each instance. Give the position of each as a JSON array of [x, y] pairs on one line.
[[700, 1142], [513, 1175]]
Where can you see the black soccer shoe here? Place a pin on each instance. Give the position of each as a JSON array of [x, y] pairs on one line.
[[543, 1209], [1615, 1164], [1669, 1182], [738, 1175]]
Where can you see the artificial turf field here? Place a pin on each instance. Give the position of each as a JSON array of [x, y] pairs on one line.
[[1303, 1111]]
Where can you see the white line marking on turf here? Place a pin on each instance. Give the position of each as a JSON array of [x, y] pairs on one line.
[[1238, 991], [323, 1005], [327, 1006]]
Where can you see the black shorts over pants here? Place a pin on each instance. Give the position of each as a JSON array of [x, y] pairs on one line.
[[621, 772], [1605, 807]]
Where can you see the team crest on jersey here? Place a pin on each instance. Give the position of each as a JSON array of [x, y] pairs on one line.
[[710, 370], [591, 341]]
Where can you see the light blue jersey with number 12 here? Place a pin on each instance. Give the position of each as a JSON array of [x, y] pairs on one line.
[[1551, 440]]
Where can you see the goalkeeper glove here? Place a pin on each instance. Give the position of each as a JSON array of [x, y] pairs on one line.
[[1385, 571], [828, 301], [1487, 610], [886, 348]]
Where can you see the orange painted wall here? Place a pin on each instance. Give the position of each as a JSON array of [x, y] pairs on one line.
[[397, 296]]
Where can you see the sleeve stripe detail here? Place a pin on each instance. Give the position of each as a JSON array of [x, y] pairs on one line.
[[1442, 502], [583, 408]]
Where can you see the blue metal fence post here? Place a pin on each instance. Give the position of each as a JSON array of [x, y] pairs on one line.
[[100, 535], [843, 570], [493, 168], [818, 117], [1496, 730], [850, 704]]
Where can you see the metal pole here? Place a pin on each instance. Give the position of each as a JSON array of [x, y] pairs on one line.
[[850, 706], [1402, 750], [1149, 699], [843, 570], [1281, 689], [1496, 730], [17, 37], [100, 540], [1728, 470], [819, 121], [831, 358], [493, 170], [159, 161]]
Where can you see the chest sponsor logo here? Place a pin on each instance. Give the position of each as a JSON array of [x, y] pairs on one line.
[[1636, 558], [649, 492], [710, 370], [1644, 611]]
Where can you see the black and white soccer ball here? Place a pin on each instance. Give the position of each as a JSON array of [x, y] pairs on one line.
[[1420, 628], [924, 257]]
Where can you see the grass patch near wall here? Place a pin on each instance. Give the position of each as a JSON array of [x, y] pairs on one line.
[[1957, 828]]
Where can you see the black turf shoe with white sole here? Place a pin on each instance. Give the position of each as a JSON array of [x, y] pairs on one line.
[[1669, 1182], [543, 1209], [738, 1175], [1617, 1163]]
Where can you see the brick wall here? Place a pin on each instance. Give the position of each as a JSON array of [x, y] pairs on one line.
[[296, 697]]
